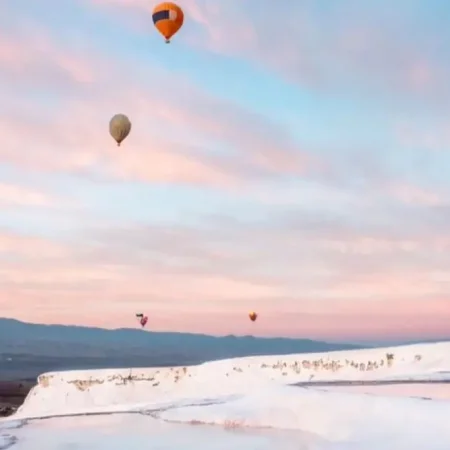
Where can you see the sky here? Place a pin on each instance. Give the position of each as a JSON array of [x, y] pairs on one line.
[[296, 167]]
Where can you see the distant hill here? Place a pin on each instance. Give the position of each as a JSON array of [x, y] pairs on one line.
[[29, 349]]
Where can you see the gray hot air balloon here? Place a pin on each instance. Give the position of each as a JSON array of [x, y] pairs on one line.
[[119, 128]]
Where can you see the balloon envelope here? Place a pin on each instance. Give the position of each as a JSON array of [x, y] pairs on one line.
[[168, 18], [253, 316], [119, 128]]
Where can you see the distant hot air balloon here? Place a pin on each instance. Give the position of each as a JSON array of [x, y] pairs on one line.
[[119, 128], [168, 18], [253, 316], [142, 319]]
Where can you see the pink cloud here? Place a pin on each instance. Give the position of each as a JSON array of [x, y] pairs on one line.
[[54, 276], [415, 195], [81, 126], [34, 58], [14, 195], [29, 247], [189, 280]]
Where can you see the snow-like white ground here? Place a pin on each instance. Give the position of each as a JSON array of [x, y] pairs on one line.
[[245, 403], [424, 391]]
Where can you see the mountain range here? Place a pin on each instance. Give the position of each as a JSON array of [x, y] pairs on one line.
[[27, 349]]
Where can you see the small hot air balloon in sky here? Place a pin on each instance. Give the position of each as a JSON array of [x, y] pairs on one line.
[[119, 128], [168, 18], [142, 319], [252, 316]]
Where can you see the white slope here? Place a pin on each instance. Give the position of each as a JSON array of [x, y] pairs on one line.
[[338, 417], [6, 441], [78, 392], [125, 432], [280, 417], [424, 390], [240, 403]]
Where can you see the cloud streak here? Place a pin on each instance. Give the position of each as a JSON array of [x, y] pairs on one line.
[[291, 274], [11, 195], [366, 45], [262, 147]]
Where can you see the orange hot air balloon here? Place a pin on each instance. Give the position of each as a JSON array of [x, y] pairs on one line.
[[168, 18], [253, 316]]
